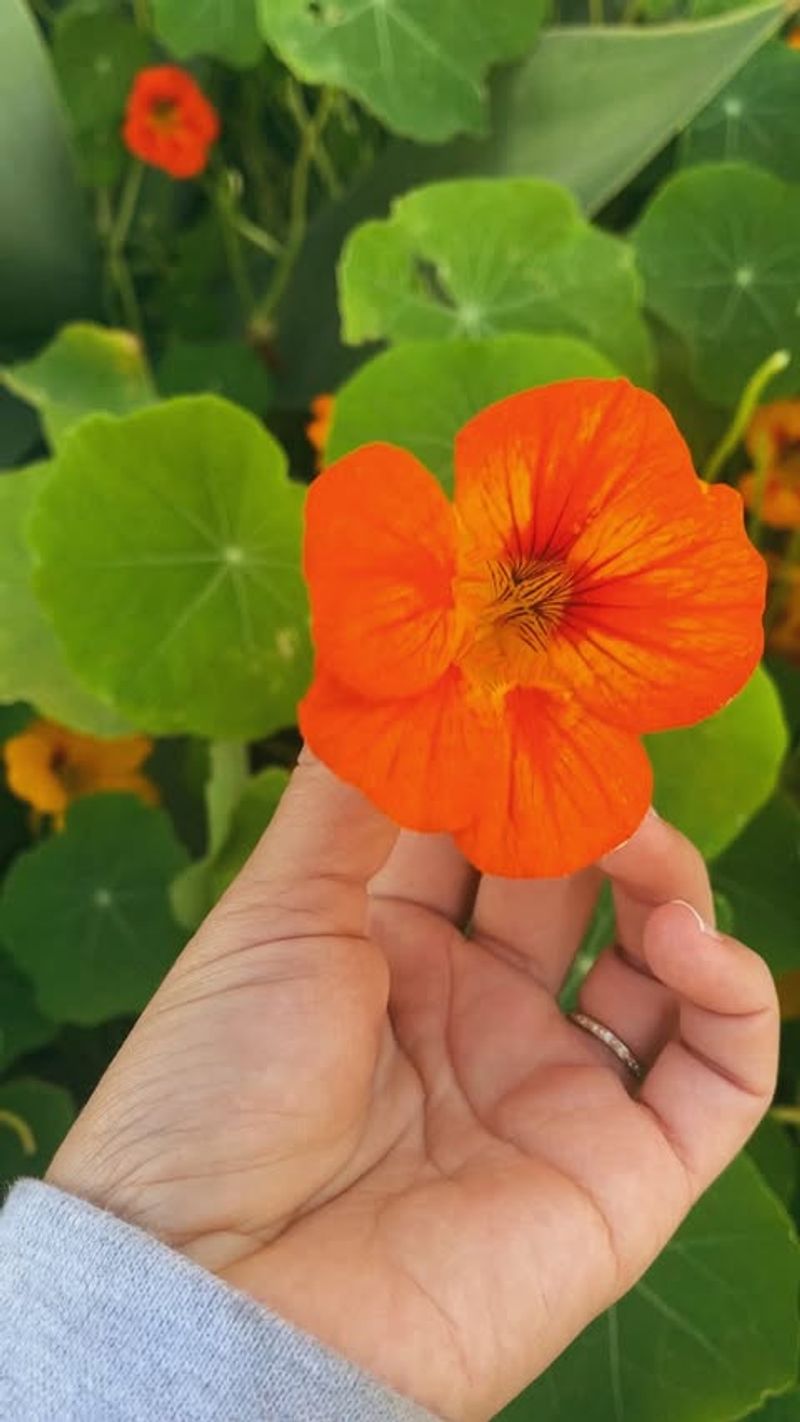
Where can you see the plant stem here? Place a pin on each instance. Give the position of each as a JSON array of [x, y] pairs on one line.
[[786, 1115], [237, 266], [21, 1129], [118, 268], [743, 413], [141, 14], [596, 12], [252, 232], [310, 130]]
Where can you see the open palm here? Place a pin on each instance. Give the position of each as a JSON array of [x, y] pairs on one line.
[[389, 1132]]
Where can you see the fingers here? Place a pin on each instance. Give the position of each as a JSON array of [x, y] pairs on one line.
[[428, 870], [658, 864], [536, 923], [310, 870], [710, 1086]]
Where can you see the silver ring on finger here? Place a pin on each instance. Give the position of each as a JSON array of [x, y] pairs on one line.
[[609, 1039]]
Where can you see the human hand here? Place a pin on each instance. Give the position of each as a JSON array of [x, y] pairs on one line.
[[389, 1133]]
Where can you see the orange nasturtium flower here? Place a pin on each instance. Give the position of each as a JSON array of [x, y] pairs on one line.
[[793, 38], [319, 426], [784, 633], [49, 766], [773, 442], [487, 666], [169, 122]]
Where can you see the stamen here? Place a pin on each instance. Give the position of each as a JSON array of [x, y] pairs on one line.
[[530, 597]]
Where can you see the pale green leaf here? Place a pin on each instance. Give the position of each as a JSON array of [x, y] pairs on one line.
[[169, 560], [85, 914], [419, 394], [224, 29], [419, 66], [719, 249], [537, 266], [709, 1330], [710, 779], [32, 664], [84, 370]]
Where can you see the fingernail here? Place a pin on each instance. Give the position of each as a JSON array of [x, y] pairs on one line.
[[652, 814], [704, 927]]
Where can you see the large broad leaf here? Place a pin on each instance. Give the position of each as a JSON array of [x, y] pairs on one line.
[[22, 1026], [46, 247], [419, 394], [759, 875], [86, 369], [225, 29], [754, 117], [228, 368], [45, 1114], [773, 1150], [169, 560], [780, 1409], [537, 266], [588, 109], [32, 665], [713, 777], [419, 66], [719, 248], [97, 54], [709, 1330], [85, 915]]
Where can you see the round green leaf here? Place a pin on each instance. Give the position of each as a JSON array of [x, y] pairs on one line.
[[96, 54], [709, 1330], [773, 1151], [719, 248], [85, 915], [169, 559], [780, 1409], [419, 394], [419, 66], [754, 117], [224, 29], [32, 664], [538, 266], [710, 779], [226, 368], [46, 1112], [86, 369], [759, 876], [253, 813], [22, 1025]]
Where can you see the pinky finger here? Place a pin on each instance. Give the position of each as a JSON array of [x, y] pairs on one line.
[[711, 1084]]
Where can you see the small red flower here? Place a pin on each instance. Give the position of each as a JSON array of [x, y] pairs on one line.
[[169, 122]]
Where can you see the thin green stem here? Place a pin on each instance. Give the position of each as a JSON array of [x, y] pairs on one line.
[[253, 232], [596, 12], [240, 276], [743, 413], [310, 130], [116, 241], [786, 1115], [141, 14], [21, 1129]]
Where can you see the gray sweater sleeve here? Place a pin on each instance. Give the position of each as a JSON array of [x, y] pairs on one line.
[[101, 1323]]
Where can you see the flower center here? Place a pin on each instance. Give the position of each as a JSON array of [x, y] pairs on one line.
[[530, 597], [68, 774], [164, 114]]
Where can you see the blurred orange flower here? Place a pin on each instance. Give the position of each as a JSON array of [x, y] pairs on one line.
[[169, 122], [49, 766], [784, 633], [793, 38], [487, 666], [319, 426], [773, 442]]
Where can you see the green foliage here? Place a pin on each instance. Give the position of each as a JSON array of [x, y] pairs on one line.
[[773, 1151], [32, 664], [85, 915], [85, 369], [46, 1111], [710, 1328], [46, 252], [96, 54], [754, 118], [250, 818], [225, 29], [419, 394], [225, 368], [183, 516], [419, 67], [719, 248], [758, 874], [712, 778], [22, 1026], [538, 267], [780, 1409]]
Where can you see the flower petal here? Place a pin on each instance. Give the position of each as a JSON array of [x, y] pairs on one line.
[[379, 559], [570, 788], [422, 760], [664, 624]]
